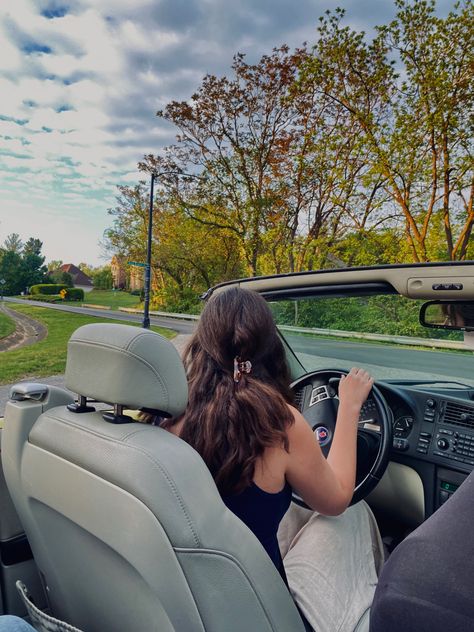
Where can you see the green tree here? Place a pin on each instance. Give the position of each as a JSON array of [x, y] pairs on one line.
[[187, 256], [417, 132], [13, 243], [10, 266], [54, 265], [61, 277], [102, 278], [33, 269]]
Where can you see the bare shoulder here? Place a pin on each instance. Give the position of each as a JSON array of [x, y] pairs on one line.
[[300, 427]]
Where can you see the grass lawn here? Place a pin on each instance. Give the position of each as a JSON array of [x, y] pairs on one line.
[[48, 357], [7, 326], [110, 298]]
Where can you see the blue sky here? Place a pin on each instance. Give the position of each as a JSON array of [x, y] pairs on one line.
[[80, 84]]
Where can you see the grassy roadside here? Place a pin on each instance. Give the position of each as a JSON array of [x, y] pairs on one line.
[[7, 326], [109, 298], [380, 343], [48, 357]]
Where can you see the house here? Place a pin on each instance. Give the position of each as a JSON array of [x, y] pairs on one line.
[[79, 279], [119, 274], [119, 270]]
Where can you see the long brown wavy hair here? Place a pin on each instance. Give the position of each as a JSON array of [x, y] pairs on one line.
[[231, 423]]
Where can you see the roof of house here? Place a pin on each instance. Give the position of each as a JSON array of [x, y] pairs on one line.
[[78, 276]]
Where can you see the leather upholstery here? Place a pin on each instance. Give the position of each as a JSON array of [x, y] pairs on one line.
[[119, 364], [125, 521]]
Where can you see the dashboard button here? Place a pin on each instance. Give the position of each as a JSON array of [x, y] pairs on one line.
[[443, 444]]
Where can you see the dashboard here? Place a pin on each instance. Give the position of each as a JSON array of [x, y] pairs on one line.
[[432, 426], [433, 433]]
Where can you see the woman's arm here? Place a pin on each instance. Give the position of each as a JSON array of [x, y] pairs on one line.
[[327, 486]]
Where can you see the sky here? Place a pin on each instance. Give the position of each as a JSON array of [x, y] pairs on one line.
[[81, 82]]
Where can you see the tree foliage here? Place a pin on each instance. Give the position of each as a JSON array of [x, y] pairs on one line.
[[21, 265], [356, 149]]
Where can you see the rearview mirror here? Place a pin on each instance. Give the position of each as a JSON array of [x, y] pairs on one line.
[[458, 315]]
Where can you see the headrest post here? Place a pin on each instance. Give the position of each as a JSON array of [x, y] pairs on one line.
[[81, 406], [116, 416]]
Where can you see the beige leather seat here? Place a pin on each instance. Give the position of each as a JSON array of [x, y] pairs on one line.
[[124, 519], [16, 561]]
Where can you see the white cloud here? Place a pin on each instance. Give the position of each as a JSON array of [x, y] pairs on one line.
[[111, 65]]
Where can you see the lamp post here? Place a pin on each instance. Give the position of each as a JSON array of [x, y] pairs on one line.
[[2, 283], [146, 306]]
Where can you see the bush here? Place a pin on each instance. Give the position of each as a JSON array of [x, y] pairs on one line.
[[47, 288], [74, 294]]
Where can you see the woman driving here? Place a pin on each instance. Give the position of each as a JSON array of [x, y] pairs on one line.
[[259, 448]]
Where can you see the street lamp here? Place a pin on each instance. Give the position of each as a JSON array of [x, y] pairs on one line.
[[2, 283], [146, 305]]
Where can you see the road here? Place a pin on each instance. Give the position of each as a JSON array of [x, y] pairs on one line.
[[383, 360], [181, 326]]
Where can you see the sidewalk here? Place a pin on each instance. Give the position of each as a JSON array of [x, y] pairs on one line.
[[58, 380]]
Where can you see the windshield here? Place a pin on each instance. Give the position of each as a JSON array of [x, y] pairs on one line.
[[379, 333]]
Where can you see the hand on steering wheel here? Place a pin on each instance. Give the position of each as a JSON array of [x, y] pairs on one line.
[[319, 406]]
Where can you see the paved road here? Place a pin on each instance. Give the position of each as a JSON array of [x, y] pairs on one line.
[[181, 326], [383, 360]]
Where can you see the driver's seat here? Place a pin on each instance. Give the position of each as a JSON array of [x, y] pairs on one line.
[[126, 524]]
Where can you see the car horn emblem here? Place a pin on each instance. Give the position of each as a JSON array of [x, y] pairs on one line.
[[322, 435]]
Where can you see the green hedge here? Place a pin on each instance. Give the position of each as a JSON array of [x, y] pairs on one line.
[[74, 294], [48, 288]]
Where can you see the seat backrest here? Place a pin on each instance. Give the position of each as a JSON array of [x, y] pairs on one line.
[[124, 519]]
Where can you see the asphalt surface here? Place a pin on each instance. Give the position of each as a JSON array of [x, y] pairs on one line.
[[383, 361], [180, 326]]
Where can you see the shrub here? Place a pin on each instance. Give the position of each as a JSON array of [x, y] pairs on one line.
[[74, 294], [47, 288]]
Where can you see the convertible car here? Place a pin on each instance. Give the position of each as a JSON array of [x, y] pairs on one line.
[[125, 529]]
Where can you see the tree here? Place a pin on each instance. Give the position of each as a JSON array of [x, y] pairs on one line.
[[33, 269], [10, 265], [24, 268], [231, 135], [101, 277], [187, 256], [87, 269], [61, 278], [417, 132], [54, 265], [13, 243]]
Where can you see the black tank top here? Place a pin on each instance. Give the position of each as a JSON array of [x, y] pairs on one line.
[[262, 512]]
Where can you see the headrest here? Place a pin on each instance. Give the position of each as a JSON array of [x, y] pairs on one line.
[[125, 365]]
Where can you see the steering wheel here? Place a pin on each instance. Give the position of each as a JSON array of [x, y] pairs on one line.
[[318, 403]]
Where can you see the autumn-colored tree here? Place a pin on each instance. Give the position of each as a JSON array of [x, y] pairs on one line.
[[187, 256], [417, 131]]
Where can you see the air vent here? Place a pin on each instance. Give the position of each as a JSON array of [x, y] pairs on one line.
[[459, 415], [299, 397]]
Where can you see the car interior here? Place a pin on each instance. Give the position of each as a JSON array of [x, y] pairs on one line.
[[113, 524]]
